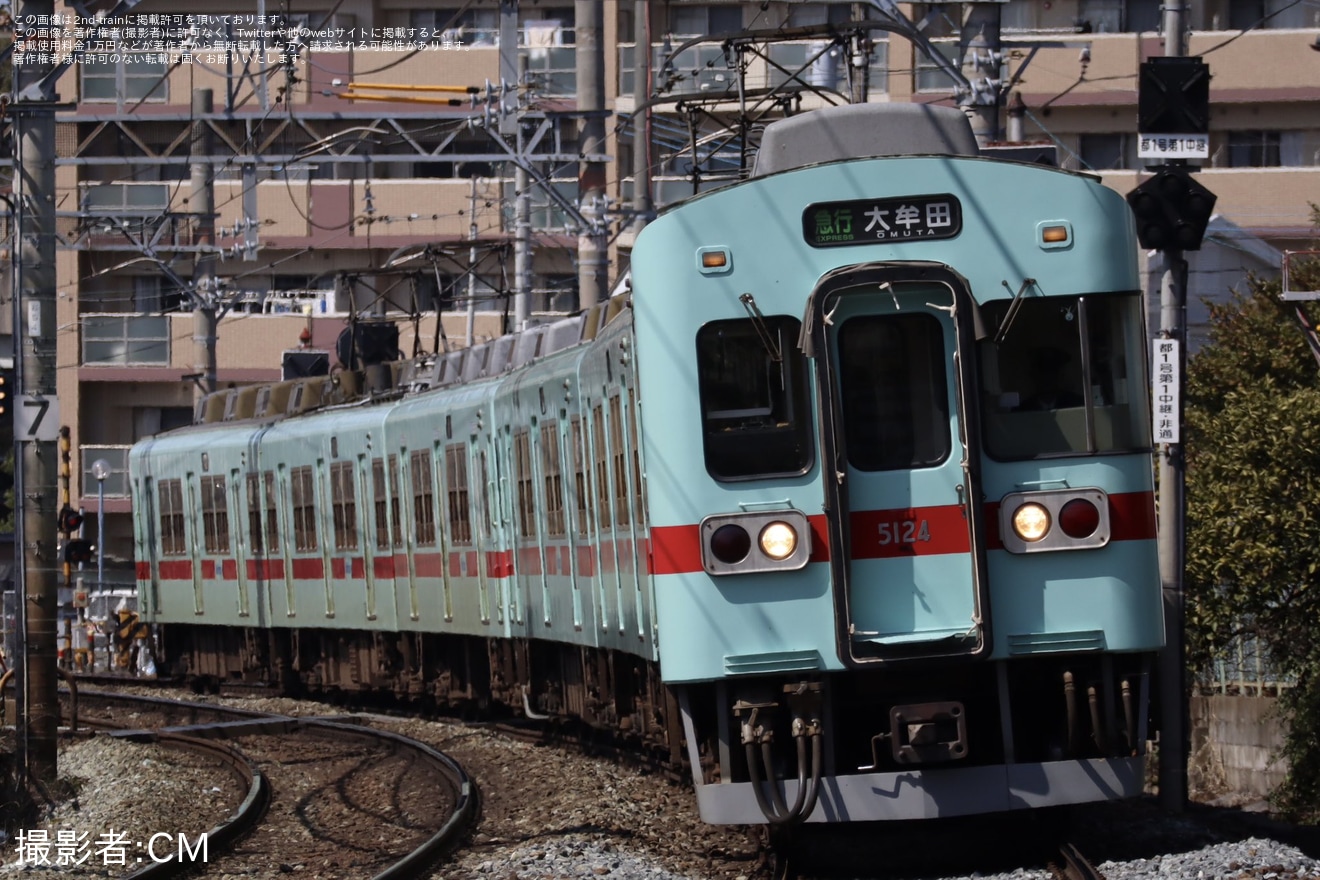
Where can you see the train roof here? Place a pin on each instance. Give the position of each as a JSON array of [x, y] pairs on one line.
[[351, 390], [864, 131]]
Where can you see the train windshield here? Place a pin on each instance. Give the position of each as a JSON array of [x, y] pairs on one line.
[[1067, 377], [753, 380], [895, 398]]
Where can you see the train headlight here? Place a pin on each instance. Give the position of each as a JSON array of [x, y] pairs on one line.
[[778, 540], [1031, 522], [1048, 520], [780, 537]]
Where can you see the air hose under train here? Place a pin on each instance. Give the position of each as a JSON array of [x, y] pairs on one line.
[[754, 733]]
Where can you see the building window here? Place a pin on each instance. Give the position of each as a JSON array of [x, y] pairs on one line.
[[126, 198], [806, 14], [173, 542], [304, 509], [1253, 149], [343, 501], [1106, 152], [1118, 16], [215, 515], [423, 497], [121, 340], [691, 20], [1244, 14], [133, 76]]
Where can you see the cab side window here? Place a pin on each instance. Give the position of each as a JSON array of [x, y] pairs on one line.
[[755, 413]]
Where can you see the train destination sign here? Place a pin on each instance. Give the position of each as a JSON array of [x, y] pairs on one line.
[[868, 221]]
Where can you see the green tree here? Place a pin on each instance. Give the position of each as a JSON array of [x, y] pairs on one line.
[[1253, 511]]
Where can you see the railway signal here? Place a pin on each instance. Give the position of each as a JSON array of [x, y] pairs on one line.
[[70, 520], [1172, 210], [79, 551]]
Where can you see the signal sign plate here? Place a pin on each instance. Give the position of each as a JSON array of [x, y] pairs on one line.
[[1173, 146]]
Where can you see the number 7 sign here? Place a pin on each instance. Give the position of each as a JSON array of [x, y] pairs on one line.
[[37, 418]]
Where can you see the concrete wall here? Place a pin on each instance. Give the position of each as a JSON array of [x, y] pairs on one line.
[[1234, 744]]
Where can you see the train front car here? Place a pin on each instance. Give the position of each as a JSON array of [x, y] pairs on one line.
[[897, 446]]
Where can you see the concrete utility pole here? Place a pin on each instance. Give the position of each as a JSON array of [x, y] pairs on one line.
[[982, 55], [593, 256], [201, 201], [513, 72], [642, 205], [1174, 742], [36, 416]]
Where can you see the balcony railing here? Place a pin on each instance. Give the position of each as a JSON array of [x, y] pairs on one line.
[[116, 483], [121, 340]]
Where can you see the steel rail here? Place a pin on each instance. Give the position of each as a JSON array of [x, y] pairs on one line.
[[413, 865]]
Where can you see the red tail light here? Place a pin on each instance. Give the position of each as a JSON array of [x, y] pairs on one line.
[[1079, 518]]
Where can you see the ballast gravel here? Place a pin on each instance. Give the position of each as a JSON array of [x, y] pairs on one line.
[[552, 814]]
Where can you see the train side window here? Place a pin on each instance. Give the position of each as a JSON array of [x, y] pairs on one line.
[[619, 461], [423, 497], [343, 502], [456, 483], [554, 481], [396, 521], [579, 473], [256, 536], [272, 512], [600, 458], [380, 503], [215, 515], [484, 482], [173, 542], [523, 476], [634, 443], [895, 391], [754, 400], [303, 490]]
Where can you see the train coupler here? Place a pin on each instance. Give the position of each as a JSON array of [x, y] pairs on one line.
[[926, 733]]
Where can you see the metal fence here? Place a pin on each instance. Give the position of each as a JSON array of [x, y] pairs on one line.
[[1243, 668]]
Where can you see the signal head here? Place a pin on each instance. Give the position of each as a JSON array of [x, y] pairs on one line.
[[78, 551], [70, 520]]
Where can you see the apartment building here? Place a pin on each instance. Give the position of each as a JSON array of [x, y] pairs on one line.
[[398, 200]]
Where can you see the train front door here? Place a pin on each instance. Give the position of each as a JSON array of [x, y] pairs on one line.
[[907, 548]]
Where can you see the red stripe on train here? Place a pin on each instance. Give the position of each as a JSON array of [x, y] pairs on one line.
[[176, 570], [265, 569], [901, 533]]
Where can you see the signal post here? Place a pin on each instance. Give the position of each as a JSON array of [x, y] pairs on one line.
[[1172, 211]]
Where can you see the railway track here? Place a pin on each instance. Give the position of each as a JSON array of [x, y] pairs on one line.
[[1072, 865], [335, 799]]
